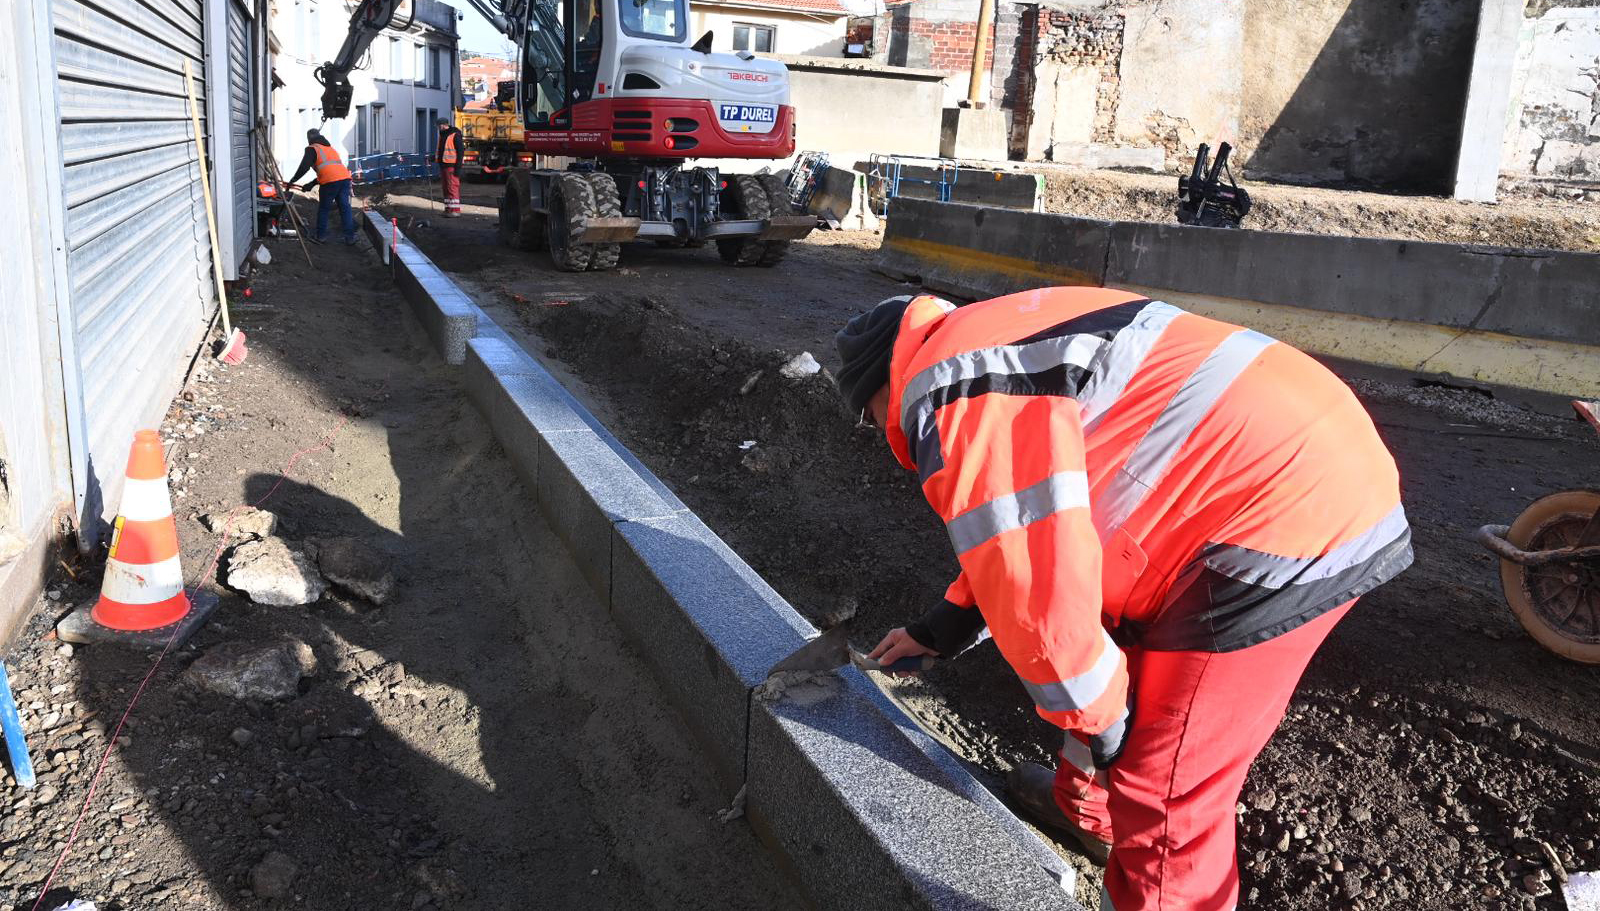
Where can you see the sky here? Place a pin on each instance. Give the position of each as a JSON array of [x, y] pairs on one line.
[[477, 35]]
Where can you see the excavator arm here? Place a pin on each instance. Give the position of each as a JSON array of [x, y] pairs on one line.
[[370, 18]]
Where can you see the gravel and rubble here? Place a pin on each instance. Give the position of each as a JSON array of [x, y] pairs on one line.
[[480, 740]]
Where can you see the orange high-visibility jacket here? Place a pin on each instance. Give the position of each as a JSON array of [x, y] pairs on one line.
[[1106, 462], [328, 166]]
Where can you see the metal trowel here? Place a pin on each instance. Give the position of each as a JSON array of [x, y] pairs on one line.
[[832, 650]]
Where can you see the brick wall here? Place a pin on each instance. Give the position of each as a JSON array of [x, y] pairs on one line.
[[949, 43]]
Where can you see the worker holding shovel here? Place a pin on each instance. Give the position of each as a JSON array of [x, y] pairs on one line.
[[333, 184], [1159, 517]]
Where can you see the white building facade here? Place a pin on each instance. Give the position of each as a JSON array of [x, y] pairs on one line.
[[407, 80]]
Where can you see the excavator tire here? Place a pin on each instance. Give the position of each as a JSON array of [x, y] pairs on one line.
[[608, 204], [570, 201], [779, 202], [520, 227], [747, 198]]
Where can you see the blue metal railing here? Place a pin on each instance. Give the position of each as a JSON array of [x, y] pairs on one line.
[[391, 166]]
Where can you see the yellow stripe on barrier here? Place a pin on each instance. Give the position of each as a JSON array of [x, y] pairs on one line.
[[951, 256], [1561, 368]]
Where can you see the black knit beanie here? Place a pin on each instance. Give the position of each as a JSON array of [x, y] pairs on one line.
[[865, 344]]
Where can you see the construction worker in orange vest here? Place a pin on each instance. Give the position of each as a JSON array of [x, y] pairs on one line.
[[448, 155], [1159, 517], [332, 182]]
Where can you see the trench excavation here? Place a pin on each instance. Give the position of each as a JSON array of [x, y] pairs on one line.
[[1371, 795]]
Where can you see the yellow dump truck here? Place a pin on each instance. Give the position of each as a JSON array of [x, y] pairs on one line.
[[492, 139]]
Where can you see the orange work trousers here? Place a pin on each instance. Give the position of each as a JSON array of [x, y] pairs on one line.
[[1167, 804]]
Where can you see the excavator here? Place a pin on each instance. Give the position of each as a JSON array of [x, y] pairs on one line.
[[627, 98]]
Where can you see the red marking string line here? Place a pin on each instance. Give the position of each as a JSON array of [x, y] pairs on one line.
[[216, 555]]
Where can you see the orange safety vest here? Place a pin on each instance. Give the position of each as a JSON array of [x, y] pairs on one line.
[[449, 156], [328, 166], [1106, 462]]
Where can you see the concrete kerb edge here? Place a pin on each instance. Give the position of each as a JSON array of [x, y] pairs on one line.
[[445, 312], [709, 627]]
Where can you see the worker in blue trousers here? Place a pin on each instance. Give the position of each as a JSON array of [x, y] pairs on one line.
[[333, 184]]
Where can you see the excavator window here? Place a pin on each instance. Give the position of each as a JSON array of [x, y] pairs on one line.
[[591, 40], [544, 78], [661, 19]]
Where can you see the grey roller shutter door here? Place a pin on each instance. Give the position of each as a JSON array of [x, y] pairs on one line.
[[138, 256], [241, 115]]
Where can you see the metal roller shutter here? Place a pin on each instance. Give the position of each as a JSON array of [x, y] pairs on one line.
[[137, 249], [241, 116]]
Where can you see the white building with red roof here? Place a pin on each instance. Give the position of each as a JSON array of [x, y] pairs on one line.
[[810, 28]]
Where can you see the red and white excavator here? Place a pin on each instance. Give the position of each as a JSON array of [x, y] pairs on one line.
[[629, 97]]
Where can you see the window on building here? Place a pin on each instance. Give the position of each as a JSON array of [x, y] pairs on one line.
[[362, 135], [436, 67], [420, 55], [396, 60], [748, 36], [379, 131]]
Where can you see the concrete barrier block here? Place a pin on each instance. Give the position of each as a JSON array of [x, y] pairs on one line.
[[978, 252], [869, 819], [555, 406], [584, 488], [709, 627], [446, 314], [1544, 294]]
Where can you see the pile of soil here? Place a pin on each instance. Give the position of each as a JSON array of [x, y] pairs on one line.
[[1521, 220], [1382, 789]]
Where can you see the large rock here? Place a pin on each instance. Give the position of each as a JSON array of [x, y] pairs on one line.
[[355, 567], [258, 673], [246, 522], [274, 876], [272, 572]]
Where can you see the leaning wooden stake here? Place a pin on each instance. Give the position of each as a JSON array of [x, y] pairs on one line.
[[233, 349], [270, 165]]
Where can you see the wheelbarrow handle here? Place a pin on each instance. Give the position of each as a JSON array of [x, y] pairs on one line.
[[1493, 538]]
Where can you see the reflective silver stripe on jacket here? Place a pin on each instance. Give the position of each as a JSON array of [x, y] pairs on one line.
[[1272, 571], [1078, 693], [1120, 360], [1062, 490], [1001, 360], [1148, 463]]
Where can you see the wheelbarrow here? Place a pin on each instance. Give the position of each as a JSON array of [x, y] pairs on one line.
[[1550, 566]]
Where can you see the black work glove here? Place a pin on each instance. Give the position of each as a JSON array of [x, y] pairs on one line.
[[948, 629], [1106, 747]]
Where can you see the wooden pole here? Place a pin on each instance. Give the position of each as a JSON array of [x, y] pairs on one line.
[[211, 215], [980, 52], [264, 153]]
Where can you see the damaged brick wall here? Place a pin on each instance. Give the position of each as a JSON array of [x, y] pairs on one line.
[[1091, 39]]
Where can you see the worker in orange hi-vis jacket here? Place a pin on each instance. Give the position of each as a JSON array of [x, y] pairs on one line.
[[448, 155], [1159, 517]]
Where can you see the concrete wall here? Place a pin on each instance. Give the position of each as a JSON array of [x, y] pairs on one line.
[[812, 35], [1360, 91], [1517, 317], [1312, 91], [1555, 123], [891, 109]]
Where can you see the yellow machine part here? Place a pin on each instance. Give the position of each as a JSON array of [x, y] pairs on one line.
[[488, 125]]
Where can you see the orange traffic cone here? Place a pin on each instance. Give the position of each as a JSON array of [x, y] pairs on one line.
[[143, 586], [142, 592]]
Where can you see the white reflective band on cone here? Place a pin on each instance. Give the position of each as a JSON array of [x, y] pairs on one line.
[[142, 583], [145, 500]]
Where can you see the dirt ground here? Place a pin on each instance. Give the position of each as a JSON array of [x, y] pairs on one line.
[[481, 741], [1433, 751], [1521, 218]]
